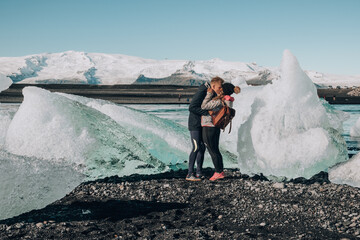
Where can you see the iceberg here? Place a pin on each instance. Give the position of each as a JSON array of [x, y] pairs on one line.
[[355, 130], [53, 143], [28, 183], [164, 139], [5, 82], [347, 173], [6, 114], [50, 126], [283, 129]]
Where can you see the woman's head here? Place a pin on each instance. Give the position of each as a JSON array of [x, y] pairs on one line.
[[229, 89]]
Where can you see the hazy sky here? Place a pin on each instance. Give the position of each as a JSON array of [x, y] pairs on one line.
[[323, 34]]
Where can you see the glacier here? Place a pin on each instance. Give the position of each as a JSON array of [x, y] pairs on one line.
[[284, 129], [74, 67]]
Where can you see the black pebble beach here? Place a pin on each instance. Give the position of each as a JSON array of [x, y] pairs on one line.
[[165, 206]]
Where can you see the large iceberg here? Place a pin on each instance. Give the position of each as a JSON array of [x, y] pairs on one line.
[[53, 143], [5, 82], [50, 126], [164, 139], [283, 129]]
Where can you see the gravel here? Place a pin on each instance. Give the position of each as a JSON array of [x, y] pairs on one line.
[[165, 206]]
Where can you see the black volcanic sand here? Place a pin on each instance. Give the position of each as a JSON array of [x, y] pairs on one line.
[[165, 206]]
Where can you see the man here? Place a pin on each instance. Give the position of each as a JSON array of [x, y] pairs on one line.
[[194, 126]]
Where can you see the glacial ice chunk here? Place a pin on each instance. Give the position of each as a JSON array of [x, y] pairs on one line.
[[347, 173], [53, 127], [5, 82], [7, 112], [32, 183], [285, 130], [164, 139], [355, 130]]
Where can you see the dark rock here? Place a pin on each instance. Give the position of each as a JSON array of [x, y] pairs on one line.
[[321, 177], [259, 177]]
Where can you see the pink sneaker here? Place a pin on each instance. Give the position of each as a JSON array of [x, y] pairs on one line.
[[217, 176]]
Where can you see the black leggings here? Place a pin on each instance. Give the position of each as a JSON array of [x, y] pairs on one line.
[[211, 137], [197, 152]]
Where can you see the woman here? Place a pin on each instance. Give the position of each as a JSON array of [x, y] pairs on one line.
[[210, 133]]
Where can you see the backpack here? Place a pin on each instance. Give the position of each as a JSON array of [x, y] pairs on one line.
[[223, 117]]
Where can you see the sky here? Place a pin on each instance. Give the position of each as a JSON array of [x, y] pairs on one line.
[[324, 35]]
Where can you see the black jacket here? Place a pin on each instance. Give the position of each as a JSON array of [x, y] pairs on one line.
[[194, 122]]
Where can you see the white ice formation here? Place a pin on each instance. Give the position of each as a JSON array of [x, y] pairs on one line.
[[53, 127], [98, 68], [283, 129], [55, 136], [28, 183], [5, 82], [355, 130], [347, 173]]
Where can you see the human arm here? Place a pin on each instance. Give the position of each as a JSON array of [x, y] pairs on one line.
[[229, 100], [195, 104], [209, 104]]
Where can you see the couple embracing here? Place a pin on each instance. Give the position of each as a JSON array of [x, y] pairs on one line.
[[209, 99]]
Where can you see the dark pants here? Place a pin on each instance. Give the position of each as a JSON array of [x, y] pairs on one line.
[[197, 153], [211, 137]]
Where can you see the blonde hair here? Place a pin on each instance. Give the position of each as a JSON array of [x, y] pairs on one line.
[[217, 80]]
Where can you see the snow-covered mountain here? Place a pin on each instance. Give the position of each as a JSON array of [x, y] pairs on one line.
[[108, 69]]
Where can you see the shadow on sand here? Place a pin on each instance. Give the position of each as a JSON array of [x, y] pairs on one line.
[[111, 210]]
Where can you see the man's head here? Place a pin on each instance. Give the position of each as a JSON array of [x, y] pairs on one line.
[[216, 84]]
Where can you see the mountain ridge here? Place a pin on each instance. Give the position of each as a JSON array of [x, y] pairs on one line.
[[75, 67]]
